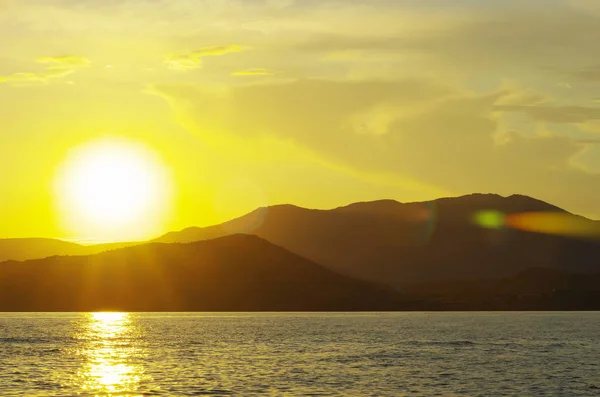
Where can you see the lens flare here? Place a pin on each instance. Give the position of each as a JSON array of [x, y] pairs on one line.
[[429, 216], [555, 223], [489, 219]]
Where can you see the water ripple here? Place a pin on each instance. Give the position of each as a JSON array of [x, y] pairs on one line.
[[308, 354]]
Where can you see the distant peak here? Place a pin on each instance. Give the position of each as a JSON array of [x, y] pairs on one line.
[[522, 197], [38, 240], [473, 196], [516, 195], [512, 203], [532, 201], [281, 207], [380, 204]]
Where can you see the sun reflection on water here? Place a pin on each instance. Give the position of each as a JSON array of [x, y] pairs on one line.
[[111, 351]]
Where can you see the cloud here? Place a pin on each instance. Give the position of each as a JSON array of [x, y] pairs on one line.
[[589, 141], [56, 68], [555, 114], [374, 94], [590, 74], [316, 116], [23, 77], [411, 130], [513, 94], [255, 72], [193, 59], [65, 62], [506, 38], [280, 3]]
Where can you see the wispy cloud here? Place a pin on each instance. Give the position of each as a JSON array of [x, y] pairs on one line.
[[555, 114], [193, 59], [56, 68], [65, 62], [255, 72], [590, 141], [399, 128], [589, 74], [23, 77]]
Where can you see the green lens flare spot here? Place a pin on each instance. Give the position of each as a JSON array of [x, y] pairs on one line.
[[489, 219]]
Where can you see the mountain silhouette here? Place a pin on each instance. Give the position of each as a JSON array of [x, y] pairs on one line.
[[389, 242], [232, 273], [31, 248], [20, 249], [531, 289], [395, 243]]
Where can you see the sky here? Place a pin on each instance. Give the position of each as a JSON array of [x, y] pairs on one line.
[[315, 103]]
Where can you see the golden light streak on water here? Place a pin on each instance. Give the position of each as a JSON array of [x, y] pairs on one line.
[[109, 368]]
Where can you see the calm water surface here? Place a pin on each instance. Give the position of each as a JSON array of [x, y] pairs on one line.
[[378, 354]]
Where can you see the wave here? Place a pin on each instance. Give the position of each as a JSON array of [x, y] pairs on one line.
[[23, 340], [454, 343]]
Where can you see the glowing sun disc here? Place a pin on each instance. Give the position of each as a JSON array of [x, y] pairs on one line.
[[113, 189]]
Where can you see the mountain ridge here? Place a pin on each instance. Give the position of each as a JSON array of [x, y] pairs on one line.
[[233, 273], [354, 205], [243, 272], [397, 243], [386, 241]]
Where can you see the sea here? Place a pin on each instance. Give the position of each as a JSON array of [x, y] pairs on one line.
[[300, 354]]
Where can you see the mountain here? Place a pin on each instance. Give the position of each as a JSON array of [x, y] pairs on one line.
[[531, 289], [397, 244], [29, 248], [233, 273], [20, 249]]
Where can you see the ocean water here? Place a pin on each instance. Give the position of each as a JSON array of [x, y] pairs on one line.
[[298, 354]]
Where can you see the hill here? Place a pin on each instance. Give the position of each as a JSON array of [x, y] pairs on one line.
[[395, 243], [531, 289], [21, 249], [233, 273], [31, 248]]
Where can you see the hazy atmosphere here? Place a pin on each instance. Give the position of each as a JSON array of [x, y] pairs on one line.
[[239, 104], [299, 197]]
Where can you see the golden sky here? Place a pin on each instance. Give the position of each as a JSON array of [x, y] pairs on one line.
[[315, 103]]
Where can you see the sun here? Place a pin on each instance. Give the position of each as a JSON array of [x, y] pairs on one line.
[[112, 190]]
